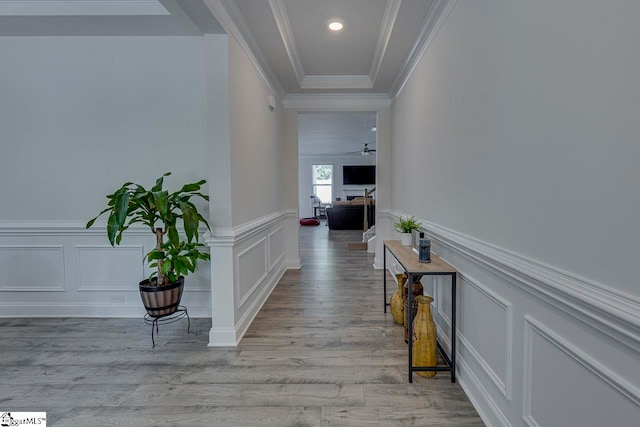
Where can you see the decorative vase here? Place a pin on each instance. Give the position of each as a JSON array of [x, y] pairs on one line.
[[405, 239], [417, 291], [424, 337], [396, 304]]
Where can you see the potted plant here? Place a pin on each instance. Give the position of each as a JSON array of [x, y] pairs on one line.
[[163, 213], [406, 226]]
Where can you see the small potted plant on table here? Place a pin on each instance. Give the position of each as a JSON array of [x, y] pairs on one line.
[[162, 212], [406, 226]]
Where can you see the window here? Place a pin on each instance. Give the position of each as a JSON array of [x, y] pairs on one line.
[[322, 179]]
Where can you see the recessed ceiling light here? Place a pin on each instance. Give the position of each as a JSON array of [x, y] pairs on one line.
[[335, 25]]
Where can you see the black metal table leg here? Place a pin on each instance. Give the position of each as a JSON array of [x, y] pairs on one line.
[[384, 280], [453, 327]]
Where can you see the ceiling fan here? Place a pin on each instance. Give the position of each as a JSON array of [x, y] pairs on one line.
[[366, 151]]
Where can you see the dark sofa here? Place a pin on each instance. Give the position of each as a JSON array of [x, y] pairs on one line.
[[349, 217]]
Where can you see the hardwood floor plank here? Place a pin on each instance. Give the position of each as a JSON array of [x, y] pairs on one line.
[[298, 375], [180, 416], [15, 397], [256, 395]]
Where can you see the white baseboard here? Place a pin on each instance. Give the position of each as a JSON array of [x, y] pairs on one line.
[[87, 310]]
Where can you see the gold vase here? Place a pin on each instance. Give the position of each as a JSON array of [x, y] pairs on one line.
[[424, 337], [396, 304], [417, 291]]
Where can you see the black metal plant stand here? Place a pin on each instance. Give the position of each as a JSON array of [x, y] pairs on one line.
[[165, 319]]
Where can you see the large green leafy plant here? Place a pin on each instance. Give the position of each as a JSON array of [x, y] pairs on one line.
[[162, 212]]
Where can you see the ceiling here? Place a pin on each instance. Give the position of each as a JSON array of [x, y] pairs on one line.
[[106, 18], [288, 40], [335, 134]]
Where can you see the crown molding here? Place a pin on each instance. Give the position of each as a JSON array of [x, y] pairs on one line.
[[336, 82], [338, 101], [81, 8], [386, 28], [437, 15], [286, 34], [230, 17]]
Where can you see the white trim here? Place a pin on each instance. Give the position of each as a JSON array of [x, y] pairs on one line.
[[506, 385], [239, 256], [337, 101], [439, 291], [467, 380], [608, 310], [286, 34], [52, 309], [222, 337], [437, 15], [295, 264], [232, 21], [336, 82], [277, 261], [252, 311], [89, 288], [57, 248], [612, 379], [232, 236], [81, 8], [388, 22], [59, 228]]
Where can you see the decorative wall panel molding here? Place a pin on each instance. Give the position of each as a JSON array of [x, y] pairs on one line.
[[43, 265], [276, 247], [611, 312], [502, 381], [32, 268], [534, 328], [60, 228], [252, 267], [107, 268]]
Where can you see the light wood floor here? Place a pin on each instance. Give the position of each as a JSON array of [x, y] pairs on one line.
[[320, 353]]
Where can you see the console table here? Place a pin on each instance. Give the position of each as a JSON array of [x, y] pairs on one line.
[[437, 267]]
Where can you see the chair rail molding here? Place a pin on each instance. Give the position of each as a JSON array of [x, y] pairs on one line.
[[611, 312]]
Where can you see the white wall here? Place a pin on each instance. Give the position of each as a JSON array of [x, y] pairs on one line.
[[518, 133], [305, 178], [249, 257], [82, 115], [256, 142], [79, 117]]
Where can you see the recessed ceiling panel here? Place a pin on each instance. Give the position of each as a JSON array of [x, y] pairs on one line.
[[346, 52], [259, 18], [410, 20]]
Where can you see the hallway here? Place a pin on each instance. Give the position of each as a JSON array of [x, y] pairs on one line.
[[319, 353]]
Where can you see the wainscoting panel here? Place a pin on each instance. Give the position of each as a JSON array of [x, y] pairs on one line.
[[276, 247], [35, 268], [552, 362], [252, 268], [490, 340], [62, 269], [105, 268], [249, 261], [536, 346]]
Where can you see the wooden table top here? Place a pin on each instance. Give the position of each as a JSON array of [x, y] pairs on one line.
[[409, 260]]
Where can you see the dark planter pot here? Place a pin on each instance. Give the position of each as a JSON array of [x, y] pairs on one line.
[[161, 300]]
